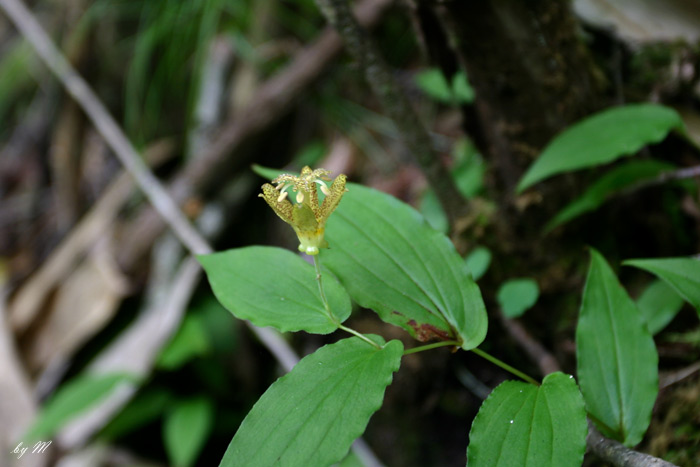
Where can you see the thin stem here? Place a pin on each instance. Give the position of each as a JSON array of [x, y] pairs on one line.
[[360, 335], [505, 366], [430, 346], [317, 266]]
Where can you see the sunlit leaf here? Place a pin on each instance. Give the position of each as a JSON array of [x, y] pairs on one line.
[[603, 138], [392, 261], [312, 415], [528, 426], [616, 357], [274, 287]]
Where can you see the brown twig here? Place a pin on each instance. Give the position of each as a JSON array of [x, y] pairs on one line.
[[617, 454], [30, 28], [31, 296], [395, 104], [155, 192], [544, 360]]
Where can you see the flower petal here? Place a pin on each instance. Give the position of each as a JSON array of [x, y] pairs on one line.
[[283, 208]]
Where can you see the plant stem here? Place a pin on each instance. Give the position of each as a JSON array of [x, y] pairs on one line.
[[430, 346], [360, 335], [505, 366], [317, 265]]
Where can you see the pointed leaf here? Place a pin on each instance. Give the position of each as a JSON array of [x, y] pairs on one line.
[[659, 304], [274, 287], [391, 261], [602, 138], [522, 425], [312, 415], [186, 429], [607, 186], [617, 359], [683, 274]]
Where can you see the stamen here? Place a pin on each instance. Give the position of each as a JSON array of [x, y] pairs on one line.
[[300, 197], [325, 190], [282, 195]]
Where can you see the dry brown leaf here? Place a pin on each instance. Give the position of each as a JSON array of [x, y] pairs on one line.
[[84, 303]]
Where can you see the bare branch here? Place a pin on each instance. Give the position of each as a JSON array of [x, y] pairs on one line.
[[617, 454], [105, 124]]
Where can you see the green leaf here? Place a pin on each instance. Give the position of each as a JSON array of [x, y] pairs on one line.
[[72, 399], [268, 173], [312, 415], [617, 359], [431, 209], [608, 185], [189, 342], [522, 425], [463, 92], [148, 405], [433, 83], [602, 138], [392, 261], [659, 304], [274, 287], [682, 274], [468, 173], [516, 296], [478, 261], [186, 429]]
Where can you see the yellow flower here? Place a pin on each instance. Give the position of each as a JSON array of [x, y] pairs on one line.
[[306, 216]]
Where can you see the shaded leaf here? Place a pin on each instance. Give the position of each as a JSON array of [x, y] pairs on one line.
[[616, 356], [433, 83], [144, 408], [72, 399], [659, 304], [463, 92], [602, 138], [608, 185], [516, 296], [312, 415], [274, 287], [186, 429], [190, 341], [683, 274], [392, 261], [522, 425], [478, 261]]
